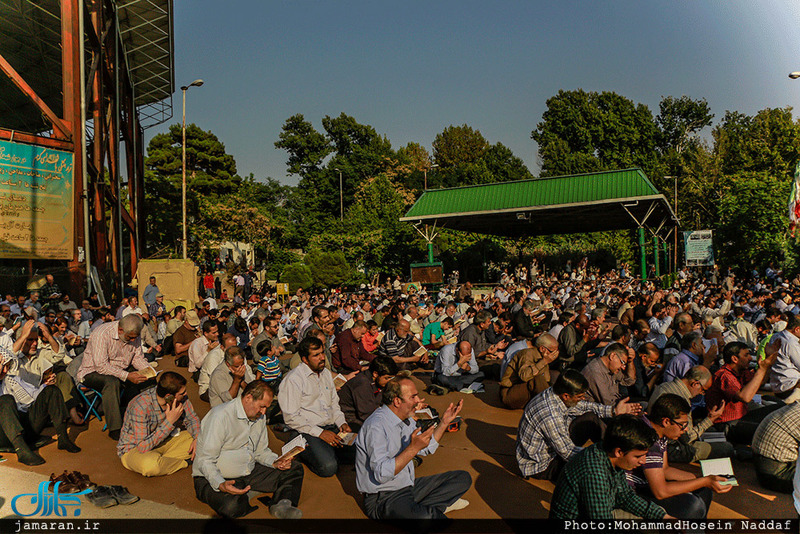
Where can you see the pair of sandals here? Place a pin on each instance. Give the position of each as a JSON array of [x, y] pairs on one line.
[[71, 482]]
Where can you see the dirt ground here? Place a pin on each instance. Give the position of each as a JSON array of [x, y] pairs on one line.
[[484, 446]]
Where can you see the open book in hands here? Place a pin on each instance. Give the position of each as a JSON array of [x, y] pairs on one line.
[[348, 438], [292, 448], [148, 372]]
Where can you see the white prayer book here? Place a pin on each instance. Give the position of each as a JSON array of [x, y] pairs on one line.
[[293, 448], [720, 467]]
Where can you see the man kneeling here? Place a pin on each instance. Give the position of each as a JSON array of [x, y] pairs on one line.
[[385, 446], [233, 457], [160, 429]]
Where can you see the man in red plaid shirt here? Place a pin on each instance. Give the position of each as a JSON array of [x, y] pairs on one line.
[[160, 429]]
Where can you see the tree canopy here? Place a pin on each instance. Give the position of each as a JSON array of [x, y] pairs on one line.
[[732, 177]]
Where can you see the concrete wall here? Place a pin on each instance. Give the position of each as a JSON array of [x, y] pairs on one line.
[[177, 280]]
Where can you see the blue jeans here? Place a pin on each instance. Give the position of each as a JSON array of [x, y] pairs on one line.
[[323, 459]]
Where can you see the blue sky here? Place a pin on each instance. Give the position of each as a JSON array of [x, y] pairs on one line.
[[412, 68]]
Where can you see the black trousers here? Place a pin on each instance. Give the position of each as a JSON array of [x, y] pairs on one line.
[[282, 484], [10, 425], [774, 475], [47, 410], [110, 388], [426, 499]]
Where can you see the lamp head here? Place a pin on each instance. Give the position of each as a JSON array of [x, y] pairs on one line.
[[794, 75], [196, 83]]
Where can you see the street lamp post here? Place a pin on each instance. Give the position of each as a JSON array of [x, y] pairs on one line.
[[341, 196], [196, 83], [426, 176]]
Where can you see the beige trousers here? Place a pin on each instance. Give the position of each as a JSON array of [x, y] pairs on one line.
[[165, 459]]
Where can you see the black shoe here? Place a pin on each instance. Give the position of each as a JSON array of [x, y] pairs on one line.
[[113, 434], [102, 497], [121, 495], [28, 457], [41, 441], [66, 444]]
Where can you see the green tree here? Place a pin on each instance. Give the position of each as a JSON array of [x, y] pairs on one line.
[[457, 145], [328, 269], [234, 217], [297, 275], [307, 147], [680, 120], [753, 222], [459, 151], [768, 141], [686, 160], [584, 132], [419, 160], [209, 169], [755, 159], [503, 165], [210, 172]]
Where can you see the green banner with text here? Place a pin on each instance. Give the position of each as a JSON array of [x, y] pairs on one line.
[[36, 202]]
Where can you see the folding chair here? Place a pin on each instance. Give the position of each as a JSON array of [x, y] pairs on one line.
[[92, 398]]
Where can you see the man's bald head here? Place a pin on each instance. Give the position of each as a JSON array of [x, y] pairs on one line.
[[464, 347], [403, 327]]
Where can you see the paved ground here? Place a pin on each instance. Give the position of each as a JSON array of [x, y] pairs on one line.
[[484, 447]]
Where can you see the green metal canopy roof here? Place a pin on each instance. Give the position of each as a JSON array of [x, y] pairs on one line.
[[612, 200]]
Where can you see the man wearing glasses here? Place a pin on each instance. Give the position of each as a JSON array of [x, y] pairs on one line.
[[680, 493], [160, 429], [607, 372]]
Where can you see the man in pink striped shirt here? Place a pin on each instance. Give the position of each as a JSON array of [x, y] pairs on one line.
[[112, 349]]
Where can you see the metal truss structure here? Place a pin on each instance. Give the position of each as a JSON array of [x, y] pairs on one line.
[[88, 76]]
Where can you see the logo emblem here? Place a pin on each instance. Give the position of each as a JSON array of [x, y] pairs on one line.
[[45, 503]]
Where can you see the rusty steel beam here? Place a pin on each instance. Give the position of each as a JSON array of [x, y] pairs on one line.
[[60, 128], [49, 142], [72, 84]]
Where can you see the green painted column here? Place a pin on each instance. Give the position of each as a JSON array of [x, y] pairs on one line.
[[642, 256], [430, 252], [667, 263], [655, 257]]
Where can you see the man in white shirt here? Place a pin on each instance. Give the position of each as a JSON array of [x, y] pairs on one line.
[[660, 324], [201, 346], [785, 376], [133, 307], [233, 458], [310, 407], [212, 361]]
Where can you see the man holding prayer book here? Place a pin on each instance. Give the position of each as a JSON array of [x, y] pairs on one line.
[[310, 407], [111, 351], [385, 447], [233, 458]]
